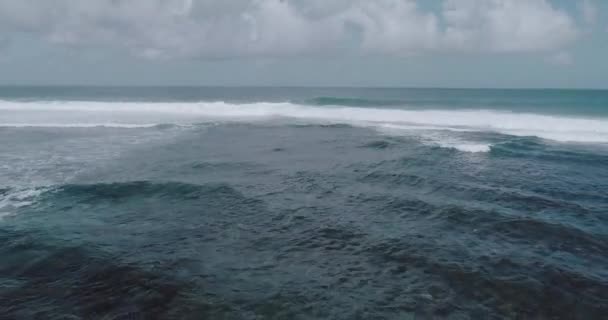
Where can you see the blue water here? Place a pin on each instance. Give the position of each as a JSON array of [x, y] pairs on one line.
[[303, 203]]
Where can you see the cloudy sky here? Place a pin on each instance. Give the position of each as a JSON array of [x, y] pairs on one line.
[[436, 43]]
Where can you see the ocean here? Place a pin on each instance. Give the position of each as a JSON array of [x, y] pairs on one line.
[[303, 203]]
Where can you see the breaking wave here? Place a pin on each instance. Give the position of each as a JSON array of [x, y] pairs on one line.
[[12, 199], [139, 114]]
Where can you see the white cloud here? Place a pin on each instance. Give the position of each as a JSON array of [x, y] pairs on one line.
[[561, 59], [507, 25], [233, 28]]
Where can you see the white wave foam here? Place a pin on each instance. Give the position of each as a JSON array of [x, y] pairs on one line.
[[134, 114], [436, 136], [459, 144], [473, 148], [18, 198]]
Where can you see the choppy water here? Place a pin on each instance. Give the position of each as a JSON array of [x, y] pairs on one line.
[[287, 203]]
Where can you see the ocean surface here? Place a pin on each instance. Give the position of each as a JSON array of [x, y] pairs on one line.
[[303, 203]]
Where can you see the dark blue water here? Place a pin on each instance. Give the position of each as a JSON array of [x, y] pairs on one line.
[[295, 203]]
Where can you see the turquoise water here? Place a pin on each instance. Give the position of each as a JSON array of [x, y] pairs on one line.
[[303, 203]]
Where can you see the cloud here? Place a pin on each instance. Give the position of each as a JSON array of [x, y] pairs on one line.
[[507, 25], [561, 59], [589, 11], [268, 28]]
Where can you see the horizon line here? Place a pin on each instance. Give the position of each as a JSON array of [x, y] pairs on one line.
[[6, 85]]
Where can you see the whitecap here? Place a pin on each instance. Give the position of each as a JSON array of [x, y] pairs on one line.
[[136, 114], [18, 198]]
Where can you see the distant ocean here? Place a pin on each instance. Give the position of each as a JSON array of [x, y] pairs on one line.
[[303, 203]]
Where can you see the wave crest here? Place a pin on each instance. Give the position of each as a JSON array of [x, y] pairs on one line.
[[12, 199], [134, 114]]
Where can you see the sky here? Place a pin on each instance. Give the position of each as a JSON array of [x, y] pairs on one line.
[[395, 43]]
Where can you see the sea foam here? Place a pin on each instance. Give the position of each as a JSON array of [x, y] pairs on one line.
[[141, 114], [14, 199]]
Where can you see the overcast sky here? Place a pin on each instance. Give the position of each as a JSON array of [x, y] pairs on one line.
[[436, 43]]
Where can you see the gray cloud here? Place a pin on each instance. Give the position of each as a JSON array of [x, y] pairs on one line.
[[267, 28], [589, 11]]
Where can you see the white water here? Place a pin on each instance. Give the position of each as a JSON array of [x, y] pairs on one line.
[[18, 198], [139, 114]]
